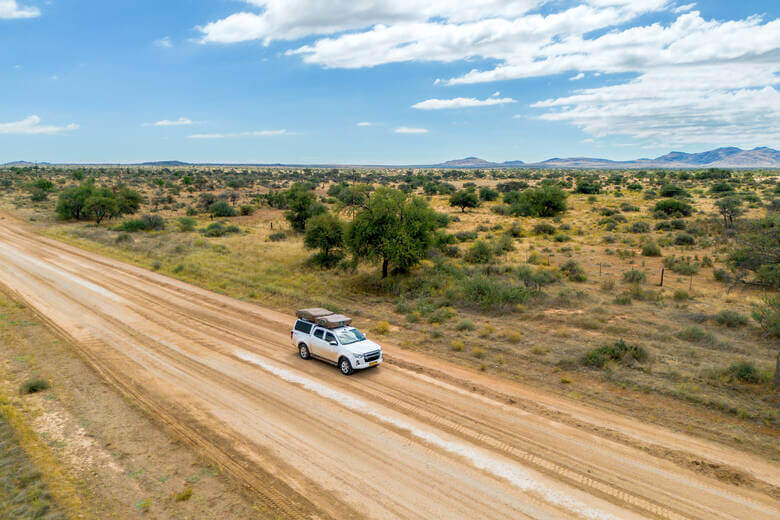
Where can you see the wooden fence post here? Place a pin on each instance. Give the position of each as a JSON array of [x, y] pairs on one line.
[[662, 278]]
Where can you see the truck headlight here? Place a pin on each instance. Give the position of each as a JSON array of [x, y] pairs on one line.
[[359, 356]]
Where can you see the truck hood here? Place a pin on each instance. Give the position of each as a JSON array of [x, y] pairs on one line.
[[363, 347]]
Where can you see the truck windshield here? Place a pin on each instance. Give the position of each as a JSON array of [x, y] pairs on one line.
[[348, 336]]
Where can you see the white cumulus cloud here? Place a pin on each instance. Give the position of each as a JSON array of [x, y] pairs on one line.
[[165, 42], [410, 130], [460, 102], [32, 126], [182, 121], [10, 10], [365, 123], [518, 40], [254, 133]]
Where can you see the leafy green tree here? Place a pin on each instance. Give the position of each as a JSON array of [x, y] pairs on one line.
[[303, 204], [729, 207], [326, 233], [464, 199], [394, 228], [128, 202], [488, 194], [71, 201], [100, 207], [757, 250], [546, 201]]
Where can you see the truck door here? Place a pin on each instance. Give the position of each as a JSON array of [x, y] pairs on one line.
[[332, 351], [317, 346]]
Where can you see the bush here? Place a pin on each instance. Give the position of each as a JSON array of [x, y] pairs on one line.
[[480, 252], [731, 319], [574, 271], [247, 209], [489, 293], [218, 229], [620, 352], [745, 372], [684, 239], [634, 276], [465, 325], [544, 229], [277, 237], [640, 227], [382, 327], [33, 386], [721, 275], [681, 295], [465, 236], [651, 248], [487, 194], [144, 223], [186, 224], [221, 209], [696, 335], [767, 314], [547, 201], [673, 207]]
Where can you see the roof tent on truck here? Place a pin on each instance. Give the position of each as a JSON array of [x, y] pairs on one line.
[[312, 314], [323, 318]]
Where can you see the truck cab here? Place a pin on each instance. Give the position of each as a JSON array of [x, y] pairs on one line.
[[330, 338]]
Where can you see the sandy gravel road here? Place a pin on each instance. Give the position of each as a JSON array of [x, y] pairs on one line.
[[407, 440]]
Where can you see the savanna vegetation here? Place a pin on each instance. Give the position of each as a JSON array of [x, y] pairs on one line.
[[654, 292]]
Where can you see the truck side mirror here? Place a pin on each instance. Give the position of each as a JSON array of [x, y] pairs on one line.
[[334, 343]]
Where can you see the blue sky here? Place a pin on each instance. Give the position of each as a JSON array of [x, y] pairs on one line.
[[290, 80]]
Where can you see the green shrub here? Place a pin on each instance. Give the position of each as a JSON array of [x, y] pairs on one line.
[[247, 209], [441, 315], [144, 223], [33, 386], [731, 319], [574, 271], [634, 276], [684, 239], [673, 207], [277, 237], [640, 227], [681, 295], [488, 194], [767, 314], [620, 352], [465, 325], [651, 248], [220, 209], [489, 293], [465, 236], [480, 252], [218, 229], [721, 275], [544, 229], [745, 372], [696, 335], [186, 224]]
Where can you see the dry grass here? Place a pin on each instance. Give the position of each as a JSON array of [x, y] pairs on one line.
[[541, 341]]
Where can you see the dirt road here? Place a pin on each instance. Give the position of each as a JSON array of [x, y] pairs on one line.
[[412, 439]]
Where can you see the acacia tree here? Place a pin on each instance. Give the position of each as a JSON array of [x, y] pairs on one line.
[[393, 228], [729, 207], [100, 207], [326, 233], [464, 199]]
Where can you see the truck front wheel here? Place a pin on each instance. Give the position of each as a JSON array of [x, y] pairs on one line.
[[345, 366], [303, 350]]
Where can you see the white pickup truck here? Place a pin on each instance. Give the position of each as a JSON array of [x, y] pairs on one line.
[[320, 334]]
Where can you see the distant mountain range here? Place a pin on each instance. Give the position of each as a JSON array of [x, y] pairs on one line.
[[728, 157]]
